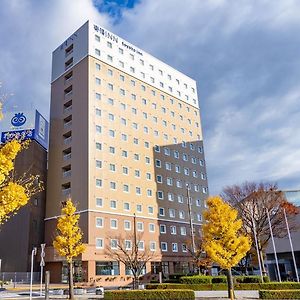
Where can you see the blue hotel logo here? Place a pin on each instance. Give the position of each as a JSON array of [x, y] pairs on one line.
[[18, 119]]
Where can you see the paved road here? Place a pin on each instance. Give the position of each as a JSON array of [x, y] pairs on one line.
[[223, 294]]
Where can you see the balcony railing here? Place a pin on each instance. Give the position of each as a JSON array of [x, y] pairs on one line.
[[67, 140], [67, 156]]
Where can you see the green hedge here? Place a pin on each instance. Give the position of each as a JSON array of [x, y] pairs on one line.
[[150, 295], [196, 279], [250, 279], [219, 279], [279, 294], [223, 286]]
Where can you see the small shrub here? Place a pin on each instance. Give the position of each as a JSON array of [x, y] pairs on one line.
[[150, 295], [219, 279], [279, 294], [196, 279]]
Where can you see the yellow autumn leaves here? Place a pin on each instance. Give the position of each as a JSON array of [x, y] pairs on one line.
[[224, 242], [68, 241]]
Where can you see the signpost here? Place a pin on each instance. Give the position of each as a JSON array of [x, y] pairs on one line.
[[42, 264]]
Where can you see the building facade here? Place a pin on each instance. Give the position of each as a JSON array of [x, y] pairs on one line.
[[25, 230], [125, 140]]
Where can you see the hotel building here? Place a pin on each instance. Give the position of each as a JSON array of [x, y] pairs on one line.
[[125, 140]]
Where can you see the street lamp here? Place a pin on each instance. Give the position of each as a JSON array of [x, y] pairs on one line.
[[33, 253]]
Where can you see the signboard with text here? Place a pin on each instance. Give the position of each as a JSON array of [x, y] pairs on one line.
[[25, 125]]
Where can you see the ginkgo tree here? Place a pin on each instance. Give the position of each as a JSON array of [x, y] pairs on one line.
[[224, 241], [68, 242]]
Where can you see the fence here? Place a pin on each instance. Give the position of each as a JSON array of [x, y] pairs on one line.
[[19, 277]]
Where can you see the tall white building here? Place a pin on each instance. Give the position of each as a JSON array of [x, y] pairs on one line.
[[125, 139]]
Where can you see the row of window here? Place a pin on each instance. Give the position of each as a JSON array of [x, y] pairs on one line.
[[159, 178], [142, 64], [158, 163], [139, 207], [128, 245], [123, 106], [160, 195]]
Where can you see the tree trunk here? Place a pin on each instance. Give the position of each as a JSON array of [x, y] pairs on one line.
[[71, 288], [230, 285], [261, 257]]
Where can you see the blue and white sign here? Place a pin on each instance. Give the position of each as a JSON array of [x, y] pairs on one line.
[[25, 125]]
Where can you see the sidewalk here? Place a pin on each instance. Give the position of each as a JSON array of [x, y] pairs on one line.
[[223, 294]]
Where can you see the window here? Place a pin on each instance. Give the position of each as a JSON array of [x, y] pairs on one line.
[[111, 133], [136, 156], [132, 82], [109, 58], [123, 121], [98, 81], [171, 212], [200, 149], [99, 243], [160, 195], [164, 246], [126, 188], [161, 211], [150, 210], [141, 245], [139, 208], [167, 151], [194, 160], [124, 153], [201, 162], [114, 244], [140, 226], [97, 52], [149, 192], [198, 202], [183, 230], [98, 182], [184, 248], [125, 170], [113, 185], [181, 214], [98, 96], [184, 157], [109, 44], [126, 206], [158, 178], [124, 137], [147, 160], [110, 101], [156, 148], [113, 204], [195, 174], [99, 202], [98, 112], [132, 70], [99, 222], [146, 144], [122, 92], [176, 154], [127, 244], [133, 96], [168, 166], [177, 168], [121, 51], [138, 190], [162, 228], [204, 190], [137, 173], [158, 163], [136, 141], [108, 267], [109, 72], [111, 117], [97, 38], [170, 197], [121, 64], [152, 246], [169, 181], [122, 77], [186, 171], [199, 217], [151, 227], [127, 225], [173, 229], [180, 198], [174, 247], [98, 67], [111, 150], [98, 164], [110, 86], [113, 224], [148, 176]]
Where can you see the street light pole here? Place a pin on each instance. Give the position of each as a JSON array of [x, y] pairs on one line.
[[274, 248], [190, 218], [291, 244], [42, 264], [33, 253]]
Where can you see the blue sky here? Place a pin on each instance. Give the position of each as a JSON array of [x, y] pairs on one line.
[[244, 56]]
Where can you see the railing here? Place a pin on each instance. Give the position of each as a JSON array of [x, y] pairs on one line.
[[19, 277], [67, 140], [67, 156], [68, 124], [66, 192], [67, 173], [68, 94], [68, 109]]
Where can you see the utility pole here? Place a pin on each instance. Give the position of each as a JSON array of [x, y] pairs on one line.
[[33, 253]]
